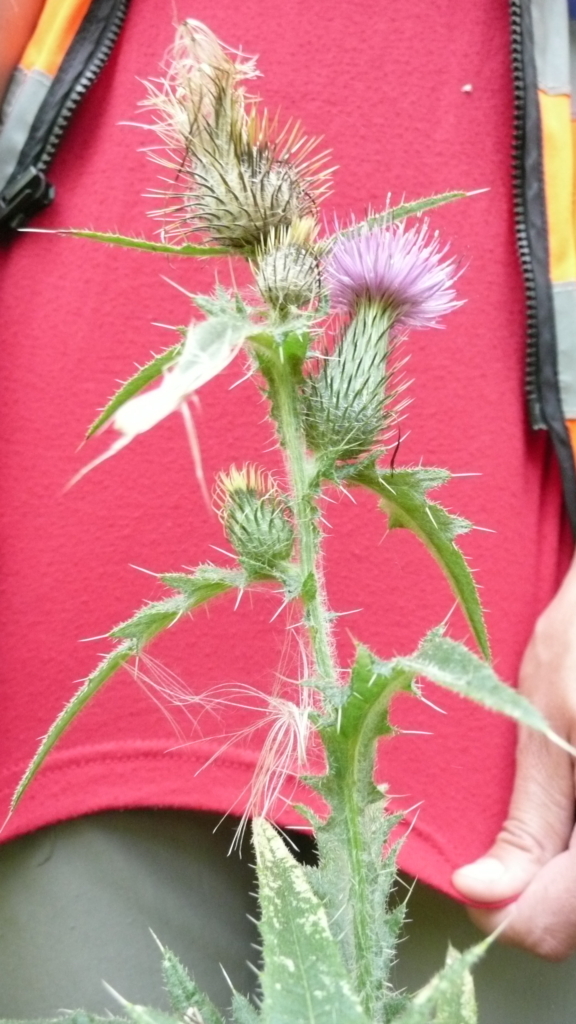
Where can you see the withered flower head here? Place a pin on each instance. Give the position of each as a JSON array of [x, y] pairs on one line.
[[237, 177]]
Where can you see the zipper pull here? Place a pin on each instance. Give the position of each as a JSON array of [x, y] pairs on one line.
[[27, 195]]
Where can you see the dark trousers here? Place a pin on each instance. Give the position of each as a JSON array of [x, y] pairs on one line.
[[77, 903]]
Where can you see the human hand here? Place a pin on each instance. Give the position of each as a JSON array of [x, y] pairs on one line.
[[533, 861]]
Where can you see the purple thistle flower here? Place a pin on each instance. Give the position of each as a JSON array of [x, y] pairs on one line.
[[398, 267]]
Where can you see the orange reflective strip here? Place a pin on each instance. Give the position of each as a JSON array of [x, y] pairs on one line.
[[558, 182], [56, 28], [571, 424], [574, 177]]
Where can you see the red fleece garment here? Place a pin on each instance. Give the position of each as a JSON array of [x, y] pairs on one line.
[[384, 85]]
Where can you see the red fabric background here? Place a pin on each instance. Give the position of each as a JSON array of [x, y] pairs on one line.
[[383, 84]]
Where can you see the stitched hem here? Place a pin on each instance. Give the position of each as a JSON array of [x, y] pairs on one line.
[[96, 779]]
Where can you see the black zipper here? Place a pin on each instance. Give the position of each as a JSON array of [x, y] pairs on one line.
[[542, 386], [27, 190], [519, 202]]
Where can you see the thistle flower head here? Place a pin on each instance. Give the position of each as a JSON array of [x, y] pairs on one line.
[[248, 479], [238, 177], [403, 269], [256, 518]]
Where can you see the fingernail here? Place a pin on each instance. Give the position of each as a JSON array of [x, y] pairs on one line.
[[487, 869]]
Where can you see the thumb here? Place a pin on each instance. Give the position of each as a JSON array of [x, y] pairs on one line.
[[537, 828]]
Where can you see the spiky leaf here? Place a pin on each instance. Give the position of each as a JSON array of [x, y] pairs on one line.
[[150, 620], [404, 210], [194, 589], [145, 375], [206, 582], [223, 302], [449, 997], [453, 666], [419, 206], [357, 865], [403, 495], [128, 242], [354, 879], [458, 1005], [359, 719], [184, 994], [243, 1011], [303, 978], [95, 681], [141, 1014]]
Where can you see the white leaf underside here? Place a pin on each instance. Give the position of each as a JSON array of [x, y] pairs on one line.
[[209, 348]]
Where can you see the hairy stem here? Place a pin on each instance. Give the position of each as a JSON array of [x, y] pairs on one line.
[[358, 857], [316, 613], [351, 801]]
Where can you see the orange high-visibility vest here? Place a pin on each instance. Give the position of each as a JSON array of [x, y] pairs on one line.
[[69, 45]]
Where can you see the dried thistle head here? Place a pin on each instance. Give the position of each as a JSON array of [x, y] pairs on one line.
[[256, 518], [237, 176], [199, 72]]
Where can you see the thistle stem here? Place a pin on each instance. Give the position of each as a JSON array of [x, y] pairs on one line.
[[309, 535], [355, 848], [361, 863]]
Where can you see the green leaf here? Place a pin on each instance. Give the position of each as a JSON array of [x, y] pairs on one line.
[[395, 213], [145, 375], [358, 721], [184, 994], [403, 494], [419, 206], [357, 866], [223, 302], [354, 879], [208, 581], [357, 861], [194, 589], [449, 997], [451, 665], [150, 620], [351, 732], [142, 1014], [128, 242], [303, 978], [458, 1005], [243, 1011], [95, 681]]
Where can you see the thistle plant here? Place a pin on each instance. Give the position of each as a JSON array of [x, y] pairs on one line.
[[321, 331]]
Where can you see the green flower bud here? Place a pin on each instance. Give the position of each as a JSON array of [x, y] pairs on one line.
[[288, 275], [343, 404], [256, 518]]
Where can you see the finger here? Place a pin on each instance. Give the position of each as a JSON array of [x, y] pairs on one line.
[[537, 828], [543, 919]]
